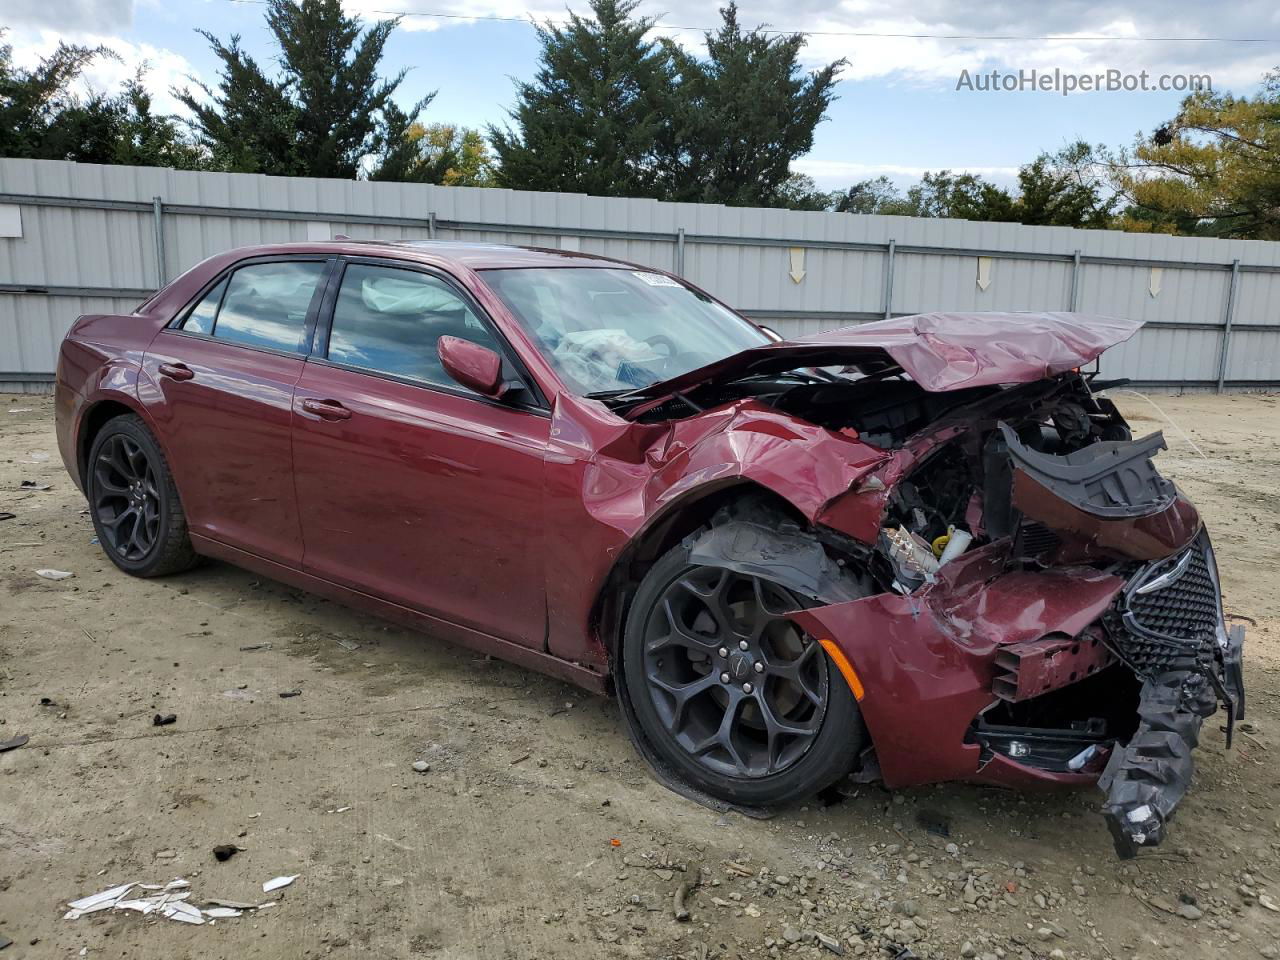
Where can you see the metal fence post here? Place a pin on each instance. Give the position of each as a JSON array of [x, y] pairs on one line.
[[888, 279], [431, 225], [157, 215], [1226, 324], [1075, 281], [679, 252]]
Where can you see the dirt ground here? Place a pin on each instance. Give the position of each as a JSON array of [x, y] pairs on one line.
[[537, 832]]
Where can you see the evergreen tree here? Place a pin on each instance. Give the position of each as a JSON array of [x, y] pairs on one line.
[[589, 120], [745, 113], [326, 112]]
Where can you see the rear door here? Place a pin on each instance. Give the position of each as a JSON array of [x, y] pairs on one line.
[[411, 487], [224, 372]]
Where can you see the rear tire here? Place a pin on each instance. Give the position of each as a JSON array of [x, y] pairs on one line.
[[134, 503], [682, 618]]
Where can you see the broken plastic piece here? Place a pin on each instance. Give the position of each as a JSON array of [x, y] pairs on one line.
[[14, 742], [221, 913], [50, 574], [164, 719], [278, 882]]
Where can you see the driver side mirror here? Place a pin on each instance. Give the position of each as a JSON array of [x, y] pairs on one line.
[[475, 367]]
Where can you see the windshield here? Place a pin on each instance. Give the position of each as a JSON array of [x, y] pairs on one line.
[[613, 330]]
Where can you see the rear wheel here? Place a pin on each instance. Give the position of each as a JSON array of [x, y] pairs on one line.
[[136, 510], [729, 692]]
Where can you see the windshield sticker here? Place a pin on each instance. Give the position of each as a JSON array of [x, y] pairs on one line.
[[655, 279]]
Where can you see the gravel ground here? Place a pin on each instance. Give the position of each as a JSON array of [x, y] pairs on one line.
[[535, 832]]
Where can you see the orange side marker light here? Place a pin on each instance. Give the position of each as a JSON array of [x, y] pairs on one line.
[[846, 668]]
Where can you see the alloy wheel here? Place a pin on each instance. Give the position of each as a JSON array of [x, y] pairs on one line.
[[736, 684], [126, 498]]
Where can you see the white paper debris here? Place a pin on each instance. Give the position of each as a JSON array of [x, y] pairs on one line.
[[184, 912], [106, 897], [277, 883], [54, 574], [169, 900]]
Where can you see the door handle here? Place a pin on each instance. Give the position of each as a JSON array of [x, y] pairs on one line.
[[176, 371], [326, 409]]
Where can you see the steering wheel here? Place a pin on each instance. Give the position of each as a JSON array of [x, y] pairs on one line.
[[661, 339]]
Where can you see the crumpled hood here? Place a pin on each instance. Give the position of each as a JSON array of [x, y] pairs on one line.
[[939, 351]]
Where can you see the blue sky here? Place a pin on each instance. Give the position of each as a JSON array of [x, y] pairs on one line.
[[899, 112]]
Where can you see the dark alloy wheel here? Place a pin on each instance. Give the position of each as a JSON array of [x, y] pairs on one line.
[[126, 498], [133, 501], [731, 692]]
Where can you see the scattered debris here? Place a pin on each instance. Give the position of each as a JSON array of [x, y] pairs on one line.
[[33, 485], [20, 410], [36, 457], [225, 851], [286, 694], [5, 515], [54, 574], [5, 941], [238, 694], [692, 877], [346, 644], [277, 883], [169, 900], [163, 719], [14, 742], [421, 766], [256, 646]]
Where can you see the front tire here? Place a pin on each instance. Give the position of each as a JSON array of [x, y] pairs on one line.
[[735, 698], [134, 503]]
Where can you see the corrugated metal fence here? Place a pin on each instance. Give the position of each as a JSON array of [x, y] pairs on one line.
[[81, 238]]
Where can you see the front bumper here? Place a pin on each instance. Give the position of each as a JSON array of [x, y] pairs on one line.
[[934, 663]]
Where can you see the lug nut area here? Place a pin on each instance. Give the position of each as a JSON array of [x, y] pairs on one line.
[[747, 688]]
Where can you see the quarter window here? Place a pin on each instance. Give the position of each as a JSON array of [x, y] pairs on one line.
[[200, 319], [390, 320]]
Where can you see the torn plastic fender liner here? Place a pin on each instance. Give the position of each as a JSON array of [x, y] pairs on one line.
[[785, 556], [926, 660], [1147, 779], [1108, 495]]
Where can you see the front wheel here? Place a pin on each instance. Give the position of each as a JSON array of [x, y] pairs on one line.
[[134, 503], [733, 696]]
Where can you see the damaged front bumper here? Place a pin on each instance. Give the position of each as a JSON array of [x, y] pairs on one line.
[[1168, 626], [1092, 659]]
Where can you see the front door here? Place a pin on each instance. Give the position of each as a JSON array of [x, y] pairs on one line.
[[410, 487], [225, 374]]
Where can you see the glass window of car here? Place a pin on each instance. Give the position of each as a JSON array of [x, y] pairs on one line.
[[200, 319], [608, 330], [389, 321], [266, 304]]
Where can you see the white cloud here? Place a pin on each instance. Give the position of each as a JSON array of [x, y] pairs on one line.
[[165, 68], [936, 62], [830, 174]]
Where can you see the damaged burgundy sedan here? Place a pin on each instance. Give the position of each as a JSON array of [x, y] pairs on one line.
[[916, 550]]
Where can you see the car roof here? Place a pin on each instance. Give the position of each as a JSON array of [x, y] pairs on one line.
[[476, 256]]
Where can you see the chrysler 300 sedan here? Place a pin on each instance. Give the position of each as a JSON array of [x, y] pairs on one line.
[[922, 549]]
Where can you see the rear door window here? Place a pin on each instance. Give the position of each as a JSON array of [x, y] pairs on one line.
[[263, 305]]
